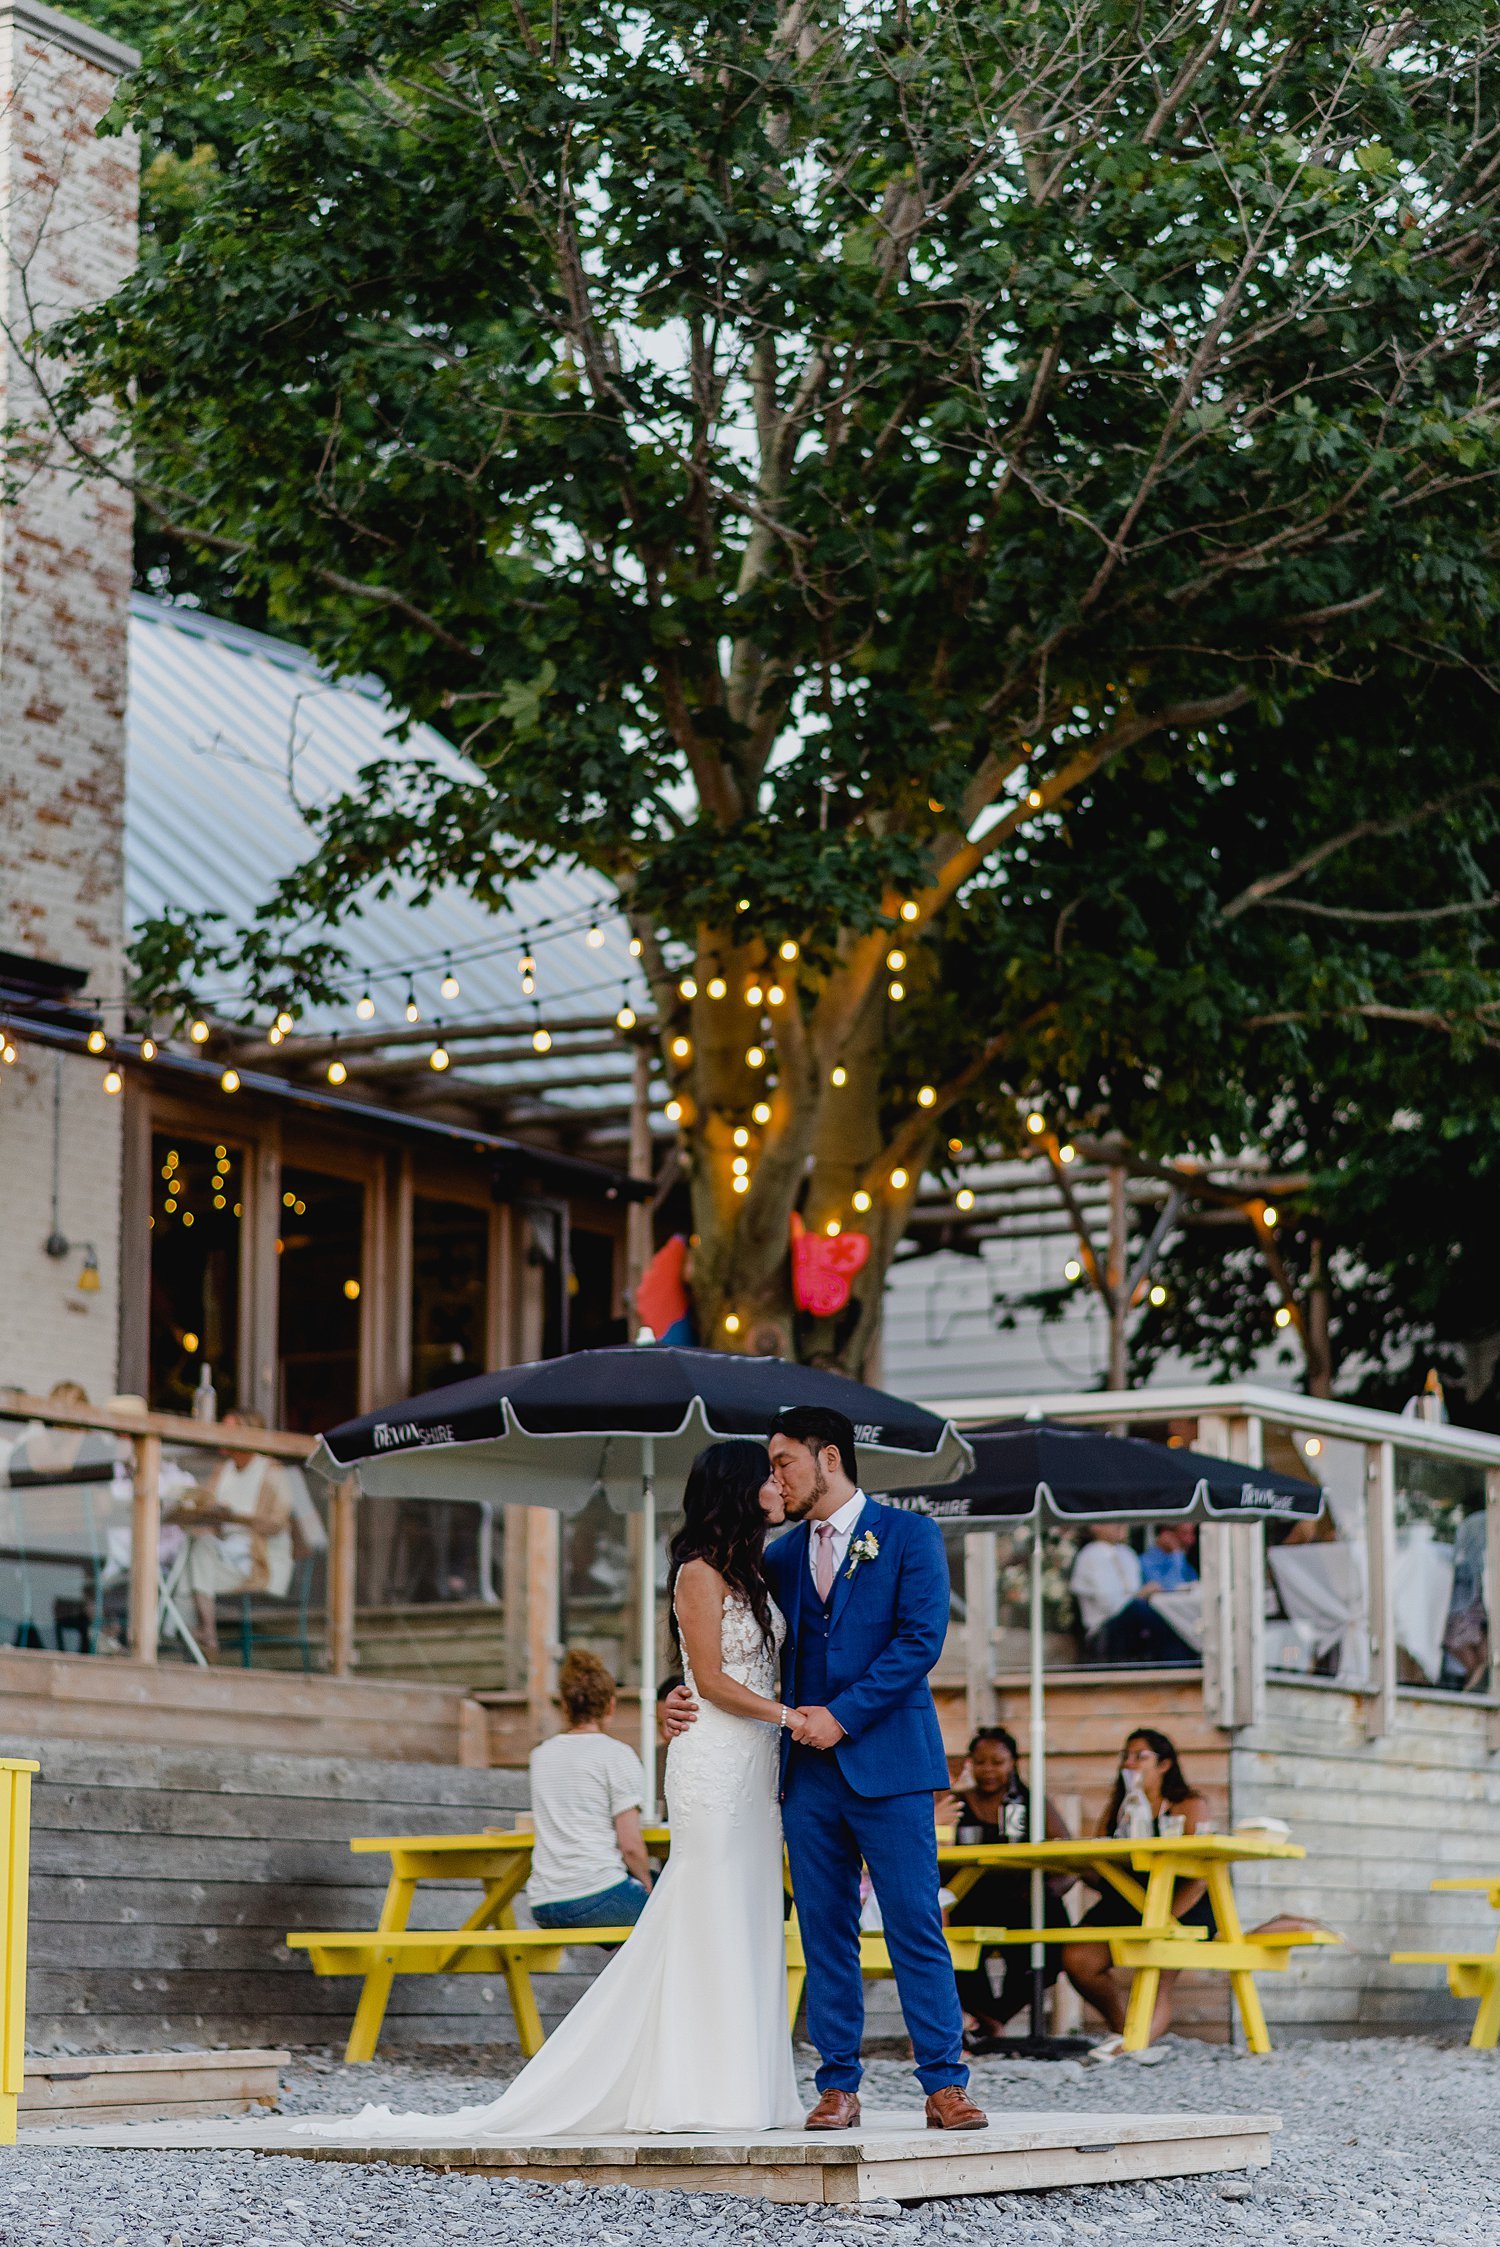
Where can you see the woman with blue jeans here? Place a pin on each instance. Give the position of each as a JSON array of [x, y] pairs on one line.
[[588, 1864]]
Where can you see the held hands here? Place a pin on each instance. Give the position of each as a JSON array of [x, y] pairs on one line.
[[795, 1723], [678, 1711], [819, 1729]]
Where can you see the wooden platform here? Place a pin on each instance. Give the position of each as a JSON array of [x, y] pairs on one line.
[[149, 2086], [890, 2157]]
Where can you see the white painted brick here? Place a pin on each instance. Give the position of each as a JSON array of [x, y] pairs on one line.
[[67, 237]]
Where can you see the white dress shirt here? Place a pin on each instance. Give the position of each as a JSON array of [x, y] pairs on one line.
[[1105, 1578], [842, 1525]]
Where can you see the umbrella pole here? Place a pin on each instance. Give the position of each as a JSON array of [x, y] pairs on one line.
[[1038, 1781], [648, 1620]]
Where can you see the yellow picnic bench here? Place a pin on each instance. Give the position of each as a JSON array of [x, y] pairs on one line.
[[1470, 1973], [489, 1941]]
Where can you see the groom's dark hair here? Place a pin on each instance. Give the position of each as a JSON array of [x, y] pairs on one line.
[[818, 1426]]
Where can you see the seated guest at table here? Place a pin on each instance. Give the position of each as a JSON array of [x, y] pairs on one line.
[[992, 1803], [1151, 1773], [1114, 1604], [239, 1531], [588, 1864], [1167, 1562]]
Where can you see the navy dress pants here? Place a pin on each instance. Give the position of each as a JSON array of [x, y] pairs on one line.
[[830, 1830]]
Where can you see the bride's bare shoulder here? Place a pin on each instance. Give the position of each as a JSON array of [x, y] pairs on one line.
[[699, 1578]]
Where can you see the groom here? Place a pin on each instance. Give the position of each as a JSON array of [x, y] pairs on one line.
[[864, 1589]]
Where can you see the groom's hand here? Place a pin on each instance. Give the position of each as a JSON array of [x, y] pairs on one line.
[[819, 1729], [678, 1711]]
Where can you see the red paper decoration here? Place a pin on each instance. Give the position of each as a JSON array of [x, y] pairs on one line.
[[823, 1270]]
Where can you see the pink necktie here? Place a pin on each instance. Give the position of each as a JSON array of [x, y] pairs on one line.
[[823, 1559]]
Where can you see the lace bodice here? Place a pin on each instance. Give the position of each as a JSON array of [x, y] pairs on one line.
[[742, 1649]]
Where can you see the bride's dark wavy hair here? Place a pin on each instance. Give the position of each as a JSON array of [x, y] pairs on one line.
[[722, 1523]]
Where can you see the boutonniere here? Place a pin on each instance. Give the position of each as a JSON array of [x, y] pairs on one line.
[[865, 1547]]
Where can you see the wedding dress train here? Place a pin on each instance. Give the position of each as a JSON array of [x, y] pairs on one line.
[[686, 2027]]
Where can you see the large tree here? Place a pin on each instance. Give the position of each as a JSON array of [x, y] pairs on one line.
[[806, 458]]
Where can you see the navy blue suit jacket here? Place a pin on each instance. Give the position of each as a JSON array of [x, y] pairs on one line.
[[886, 1631]]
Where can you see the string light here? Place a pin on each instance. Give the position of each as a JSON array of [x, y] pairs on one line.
[[740, 1165], [7, 1052], [365, 1008], [673, 1111], [741, 1136], [1067, 1154], [198, 1031], [1036, 1124], [413, 1011], [625, 1014], [1283, 1315], [898, 990], [955, 1146], [755, 1057], [964, 1197], [1313, 1447], [595, 937], [789, 948], [762, 1111], [541, 1040], [909, 911], [635, 947], [285, 1021], [450, 985], [1072, 1270], [754, 995], [833, 1228], [148, 1049], [688, 987], [351, 1290], [1269, 1217], [895, 959], [742, 1185], [717, 987], [113, 1080], [861, 1199], [97, 1040], [927, 1096], [731, 1322], [439, 1057], [337, 1073], [1158, 1295], [898, 1179], [743, 906], [681, 1048], [274, 1036], [1034, 799], [838, 1074], [775, 995], [230, 1081]]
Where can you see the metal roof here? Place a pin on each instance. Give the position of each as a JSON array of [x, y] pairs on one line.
[[232, 738]]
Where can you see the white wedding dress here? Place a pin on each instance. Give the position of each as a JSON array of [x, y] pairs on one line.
[[686, 2028]]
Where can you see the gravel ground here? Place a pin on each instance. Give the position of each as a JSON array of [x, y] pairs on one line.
[[1391, 2141]]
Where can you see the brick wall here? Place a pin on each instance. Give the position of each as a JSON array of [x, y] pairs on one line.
[[67, 237]]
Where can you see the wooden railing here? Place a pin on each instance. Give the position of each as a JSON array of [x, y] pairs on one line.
[[146, 1432]]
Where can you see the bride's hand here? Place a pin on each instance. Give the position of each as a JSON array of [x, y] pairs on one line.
[[796, 1724], [678, 1711]]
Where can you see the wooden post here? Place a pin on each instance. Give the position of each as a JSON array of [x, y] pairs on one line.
[[981, 1606], [543, 1567], [1380, 1556], [1216, 1573], [1247, 1552], [145, 1548], [342, 1547]]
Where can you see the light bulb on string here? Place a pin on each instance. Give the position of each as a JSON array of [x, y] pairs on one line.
[[1158, 1295], [762, 1111], [927, 1096], [964, 1198], [899, 1179], [96, 1040], [1067, 1154], [833, 1228], [895, 959], [717, 987], [910, 910], [755, 1057], [450, 985], [1034, 799], [625, 1013], [1283, 1315], [1269, 1217], [337, 1073], [112, 1081], [7, 1052], [897, 991], [741, 1185], [541, 1036], [595, 937], [274, 1036], [743, 905], [230, 1081], [775, 995], [741, 1136], [198, 1030], [285, 1022], [838, 1075], [1036, 1123], [681, 1048], [148, 1049], [439, 1057], [364, 1005], [740, 1165], [861, 1199], [731, 1322], [413, 1011], [1072, 1270], [688, 987], [789, 948], [673, 1111], [635, 947], [754, 995]]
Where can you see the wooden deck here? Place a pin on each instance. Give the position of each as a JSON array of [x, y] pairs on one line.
[[889, 2157]]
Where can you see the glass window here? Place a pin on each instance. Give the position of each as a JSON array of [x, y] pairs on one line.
[[196, 1223], [1442, 1629], [320, 1254], [449, 1283], [592, 1323]]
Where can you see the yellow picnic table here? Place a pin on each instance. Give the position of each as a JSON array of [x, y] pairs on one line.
[[1470, 1973], [1145, 1874], [490, 1941]]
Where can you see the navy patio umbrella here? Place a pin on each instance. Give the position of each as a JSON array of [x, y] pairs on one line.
[[564, 1430]]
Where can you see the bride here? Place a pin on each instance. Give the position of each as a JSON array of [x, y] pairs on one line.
[[686, 2028]]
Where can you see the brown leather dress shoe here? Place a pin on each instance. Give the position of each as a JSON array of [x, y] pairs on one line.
[[953, 2109], [836, 2110]]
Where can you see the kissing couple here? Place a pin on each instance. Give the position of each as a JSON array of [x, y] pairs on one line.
[[806, 1712]]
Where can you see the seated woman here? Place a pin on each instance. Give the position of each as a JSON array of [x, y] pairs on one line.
[[1149, 1770], [995, 1806], [588, 1864]]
